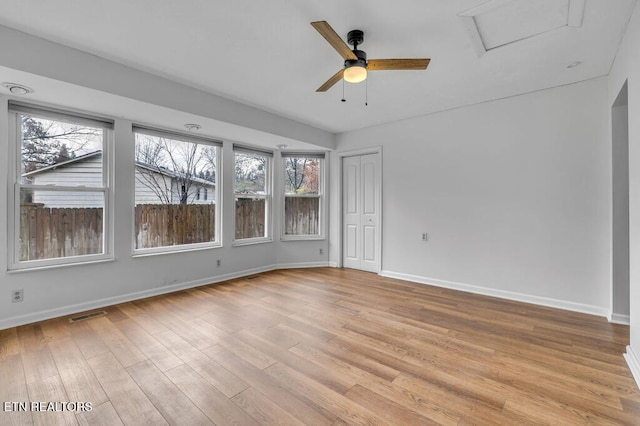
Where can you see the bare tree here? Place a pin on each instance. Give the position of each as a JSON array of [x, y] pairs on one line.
[[185, 159], [210, 154], [168, 167], [301, 174], [150, 168]]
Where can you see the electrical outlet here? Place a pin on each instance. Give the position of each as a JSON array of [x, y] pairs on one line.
[[218, 263], [17, 295], [321, 252], [424, 236]]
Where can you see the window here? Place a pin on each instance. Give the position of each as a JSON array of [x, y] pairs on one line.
[[172, 170], [61, 188], [303, 195], [252, 192]]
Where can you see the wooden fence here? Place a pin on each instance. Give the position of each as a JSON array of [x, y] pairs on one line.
[[301, 216], [47, 233], [250, 218], [162, 225]]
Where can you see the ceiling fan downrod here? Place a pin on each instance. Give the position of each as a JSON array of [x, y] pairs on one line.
[[355, 38]]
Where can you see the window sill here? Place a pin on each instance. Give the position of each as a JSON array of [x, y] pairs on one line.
[[302, 238], [251, 241], [15, 269], [137, 253]]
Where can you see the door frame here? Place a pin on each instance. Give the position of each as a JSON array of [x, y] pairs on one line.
[[620, 269], [377, 150]]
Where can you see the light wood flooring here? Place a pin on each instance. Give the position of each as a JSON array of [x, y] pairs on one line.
[[322, 347]]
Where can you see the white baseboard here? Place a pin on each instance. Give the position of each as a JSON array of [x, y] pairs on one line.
[[303, 265], [634, 364], [619, 319], [502, 294], [94, 304]]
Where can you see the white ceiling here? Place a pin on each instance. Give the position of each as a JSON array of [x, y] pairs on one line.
[[265, 53]]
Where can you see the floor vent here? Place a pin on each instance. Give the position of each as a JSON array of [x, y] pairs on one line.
[[87, 316]]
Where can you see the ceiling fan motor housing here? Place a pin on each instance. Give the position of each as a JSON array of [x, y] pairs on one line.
[[360, 62], [355, 37]]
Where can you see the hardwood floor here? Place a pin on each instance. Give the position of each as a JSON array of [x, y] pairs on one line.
[[321, 346]]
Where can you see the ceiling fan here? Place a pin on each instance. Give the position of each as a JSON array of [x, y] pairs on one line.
[[356, 64]]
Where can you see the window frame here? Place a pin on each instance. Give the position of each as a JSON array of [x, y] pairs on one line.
[[268, 196], [15, 111], [188, 138], [321, 196]]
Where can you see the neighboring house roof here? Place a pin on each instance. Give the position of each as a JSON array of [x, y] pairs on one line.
[[172, 174], [64, 163], [160, 170]]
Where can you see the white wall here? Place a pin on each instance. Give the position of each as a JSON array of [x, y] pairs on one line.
[[627, 68], [620, 212], [514, 194]]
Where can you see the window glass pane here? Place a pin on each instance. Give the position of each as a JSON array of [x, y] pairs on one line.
[[252, 193], [170, 177], [301, 215], [60, 153], [250, 217], [56, 224], [250, 173], [302, 175]]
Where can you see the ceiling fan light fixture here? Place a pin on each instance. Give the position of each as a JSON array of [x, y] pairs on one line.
[[355, 70], [355, 73]]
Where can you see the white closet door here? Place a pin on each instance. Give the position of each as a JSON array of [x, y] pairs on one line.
[[361, 192]]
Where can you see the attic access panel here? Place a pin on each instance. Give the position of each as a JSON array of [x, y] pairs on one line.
[[500, 23]]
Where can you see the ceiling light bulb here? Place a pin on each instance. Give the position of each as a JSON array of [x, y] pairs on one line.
[[355, 74]]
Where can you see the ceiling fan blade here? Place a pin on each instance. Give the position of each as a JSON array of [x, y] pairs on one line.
[[329, 83], [334, 39], [398, 64]]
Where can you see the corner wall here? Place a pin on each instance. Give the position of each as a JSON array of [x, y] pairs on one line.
[[514, 195], [57, 291], [627, 68]]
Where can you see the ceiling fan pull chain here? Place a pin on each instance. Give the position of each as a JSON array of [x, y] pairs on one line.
[[366, 92], [343, 99]]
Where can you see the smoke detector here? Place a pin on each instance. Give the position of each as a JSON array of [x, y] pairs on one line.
[[17, 89]]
